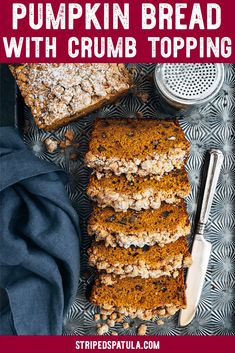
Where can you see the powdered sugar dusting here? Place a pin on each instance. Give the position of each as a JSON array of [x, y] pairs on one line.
[[57, 91]]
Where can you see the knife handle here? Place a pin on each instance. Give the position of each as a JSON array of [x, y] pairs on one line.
[[215, 163]]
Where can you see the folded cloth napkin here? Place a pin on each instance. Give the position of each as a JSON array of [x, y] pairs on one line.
[[39, 241]]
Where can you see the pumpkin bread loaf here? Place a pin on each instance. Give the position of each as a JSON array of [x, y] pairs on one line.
[[148, 227], [144, 298], [60, 93], [149, 261], [139, 147], [139, 193]]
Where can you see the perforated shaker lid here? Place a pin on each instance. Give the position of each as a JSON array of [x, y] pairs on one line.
[[189, 84]]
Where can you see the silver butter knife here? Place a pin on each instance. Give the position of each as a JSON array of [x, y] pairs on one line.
[[201, 248]]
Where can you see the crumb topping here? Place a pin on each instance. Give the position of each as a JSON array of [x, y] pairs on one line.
[[57, 91]]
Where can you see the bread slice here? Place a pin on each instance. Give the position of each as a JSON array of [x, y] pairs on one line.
[[139, 193], [60, 93], [139, 147], [144, 298], [148, 227], [149, 261]]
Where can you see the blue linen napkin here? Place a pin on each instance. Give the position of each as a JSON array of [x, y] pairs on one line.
[[39, 241]]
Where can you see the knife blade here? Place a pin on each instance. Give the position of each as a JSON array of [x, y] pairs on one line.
[[201, 248]]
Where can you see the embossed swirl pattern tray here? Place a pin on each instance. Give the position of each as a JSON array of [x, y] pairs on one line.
[[210, 126]]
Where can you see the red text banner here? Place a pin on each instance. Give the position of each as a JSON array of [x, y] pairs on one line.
[[161, 344], [117, 31]]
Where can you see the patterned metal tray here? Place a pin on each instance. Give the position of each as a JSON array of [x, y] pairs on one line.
[[210, 126]]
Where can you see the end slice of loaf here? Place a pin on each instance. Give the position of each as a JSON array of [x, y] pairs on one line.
[[137, 297]]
